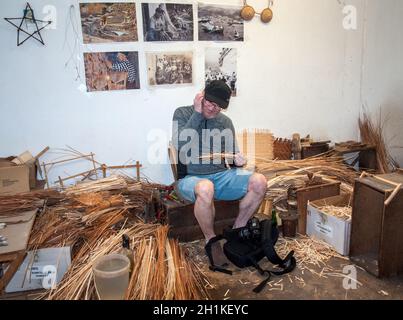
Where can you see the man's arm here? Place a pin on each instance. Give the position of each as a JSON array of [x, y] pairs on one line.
[[181, 123], [152, 24], [185, 128], [232, 148]]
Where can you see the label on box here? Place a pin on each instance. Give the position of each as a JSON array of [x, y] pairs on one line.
[[324, 229], [7, 182], [14, 179], [40, 271]]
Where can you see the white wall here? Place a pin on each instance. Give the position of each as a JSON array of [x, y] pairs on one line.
[[301, 73], [382, 87]]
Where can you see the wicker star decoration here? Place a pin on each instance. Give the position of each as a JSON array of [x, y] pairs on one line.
[[28, 17]]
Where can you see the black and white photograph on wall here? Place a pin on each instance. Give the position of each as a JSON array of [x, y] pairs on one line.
[[108, 22], [220, 23], [105, 71], [167, 22], [220, 64], [170, 68]]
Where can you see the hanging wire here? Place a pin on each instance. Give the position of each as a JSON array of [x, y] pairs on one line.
[[72, 22]]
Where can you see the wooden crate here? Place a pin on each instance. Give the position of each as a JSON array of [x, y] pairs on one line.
[[313, 150], [366, 155], [377, 228], [14, 260], [328, 189], [184, 226], [256, 144]]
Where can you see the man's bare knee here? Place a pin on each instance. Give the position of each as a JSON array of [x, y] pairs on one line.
[[205, 191], [258, 183]]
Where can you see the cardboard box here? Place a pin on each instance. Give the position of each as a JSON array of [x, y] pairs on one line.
[[23, 158], [13, 179], [27, 159], [333, 230], [17, 231], [13, 176], [326, 188]]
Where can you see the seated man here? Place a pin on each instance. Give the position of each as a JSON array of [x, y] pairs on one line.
[[207, 179], [159, 27]]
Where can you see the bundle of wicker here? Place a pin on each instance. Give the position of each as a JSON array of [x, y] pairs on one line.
[[160, 269], [91, 218]]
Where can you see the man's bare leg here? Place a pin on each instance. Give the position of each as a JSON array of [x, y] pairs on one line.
[[204, 208], [205, 213], [251, 202]]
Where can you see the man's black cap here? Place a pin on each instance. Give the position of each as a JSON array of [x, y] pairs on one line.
[[217, 91]]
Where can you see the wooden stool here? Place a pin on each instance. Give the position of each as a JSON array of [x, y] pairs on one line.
[[183, 223], [180, 216]]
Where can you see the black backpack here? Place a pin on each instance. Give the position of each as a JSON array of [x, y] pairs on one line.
[[246, 246]]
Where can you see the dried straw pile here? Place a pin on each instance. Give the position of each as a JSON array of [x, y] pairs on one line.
[[372, 134], [89, 211], [286, 174], [73, 225], [14, 204], [331, 167], [106, 184], [160, 271], [91, 218]]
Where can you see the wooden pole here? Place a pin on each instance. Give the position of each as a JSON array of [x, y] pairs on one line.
[[66, 160], [88, 175], [46, 174], [93, 162], [122, 167], [394, 193], [268, 208], [103, 167], [77, 175], [138, 166], [40, 154], [61, 182]]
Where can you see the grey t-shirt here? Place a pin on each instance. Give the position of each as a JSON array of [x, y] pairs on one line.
[[194, 136]]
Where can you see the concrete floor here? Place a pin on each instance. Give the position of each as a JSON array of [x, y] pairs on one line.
[[300, 284]]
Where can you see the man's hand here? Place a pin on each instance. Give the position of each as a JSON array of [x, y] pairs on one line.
[[122, 57], [165, 36], [198, 102], [239, 160]]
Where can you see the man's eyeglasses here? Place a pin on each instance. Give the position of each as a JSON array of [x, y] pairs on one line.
[[210, 104]]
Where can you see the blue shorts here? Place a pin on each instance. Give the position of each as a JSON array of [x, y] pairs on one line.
[[228, 185]]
